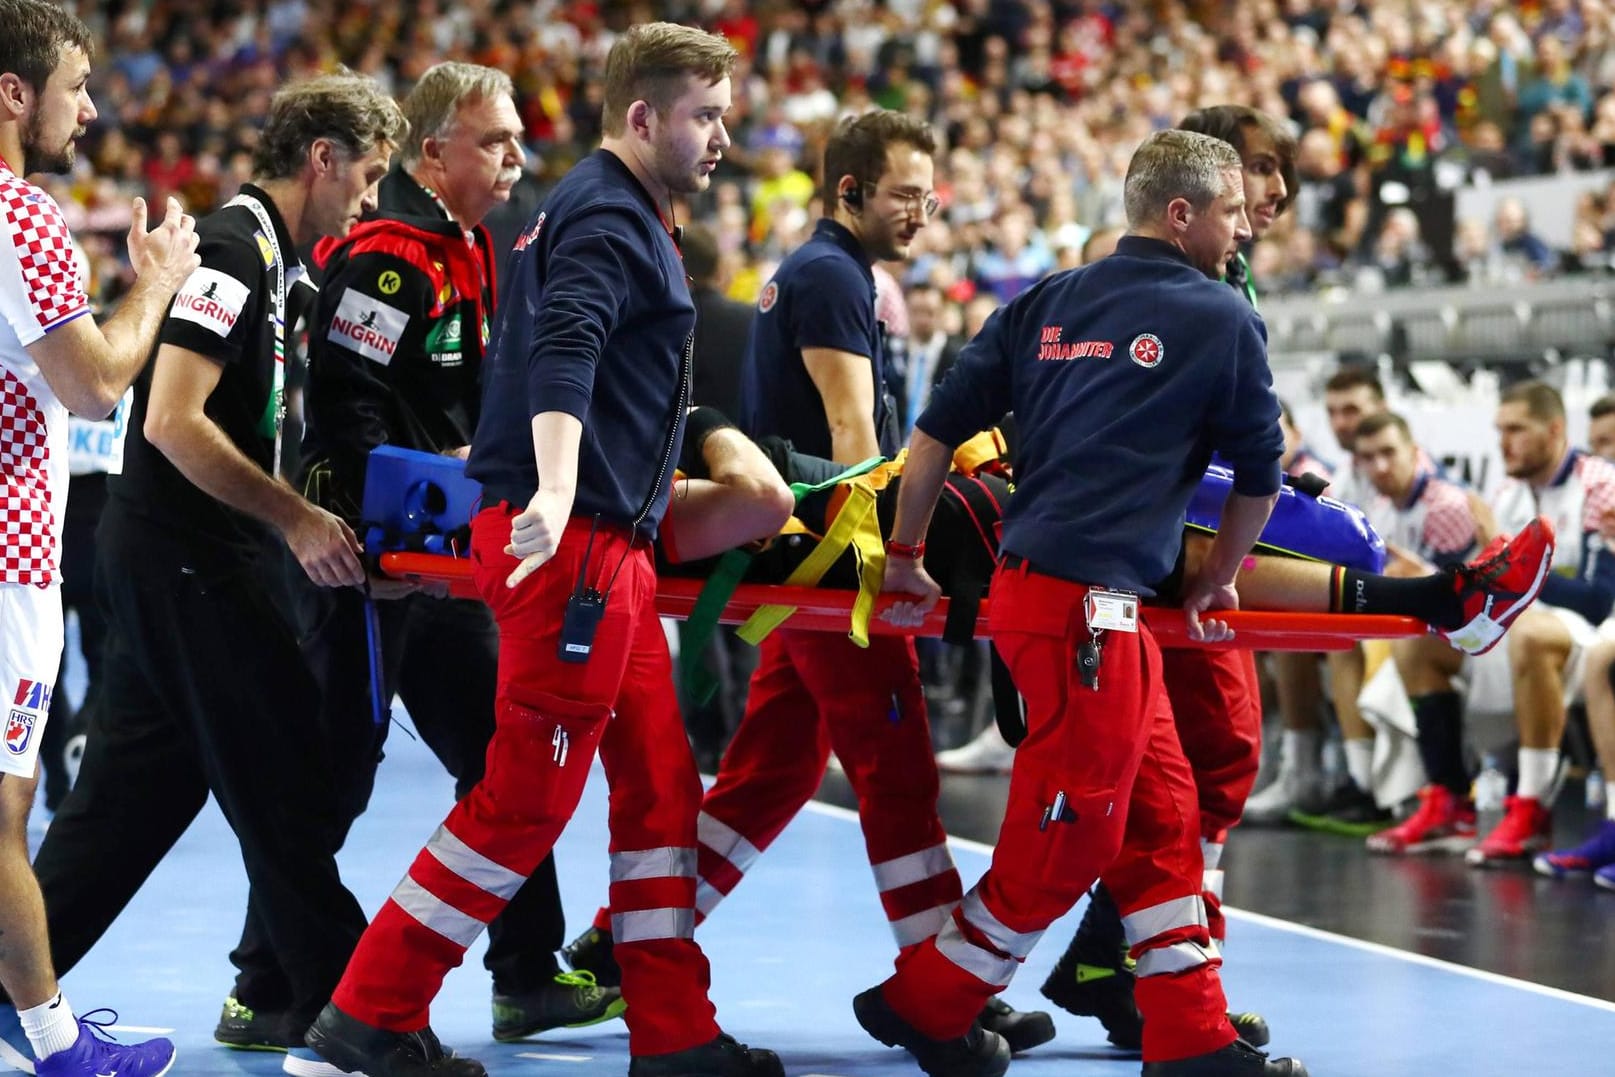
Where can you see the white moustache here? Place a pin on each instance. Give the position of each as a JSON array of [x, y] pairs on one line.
[[510, 175]]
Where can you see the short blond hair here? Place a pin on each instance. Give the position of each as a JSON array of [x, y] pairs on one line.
[[652, 63], [349, 109], [438, 96]]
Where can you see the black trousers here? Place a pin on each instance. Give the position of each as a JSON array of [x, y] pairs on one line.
[[204, 689], [441, 657], [86, 498]]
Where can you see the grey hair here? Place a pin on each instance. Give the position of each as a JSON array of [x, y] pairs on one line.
[[1175, 164], [437, 96]]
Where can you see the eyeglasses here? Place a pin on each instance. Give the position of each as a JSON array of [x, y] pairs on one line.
[[926, 202]]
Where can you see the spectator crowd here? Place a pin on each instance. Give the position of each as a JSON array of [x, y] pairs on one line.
[[1039, 105]]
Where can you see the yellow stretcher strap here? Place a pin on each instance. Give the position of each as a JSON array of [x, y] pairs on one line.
[[981, 450], [857, 525]]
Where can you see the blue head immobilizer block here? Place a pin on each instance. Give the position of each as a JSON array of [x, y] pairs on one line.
[[1320, 528], [415, 500]]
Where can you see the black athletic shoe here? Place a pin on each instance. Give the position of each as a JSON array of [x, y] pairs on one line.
[[1094, 978], [978, 1053], [1349, 811], [1238, 1059], [246, 1029], [571, 1000], [723, 1057], [353, 1046], [592, 952], [1022, 1030], [1252, 1028]]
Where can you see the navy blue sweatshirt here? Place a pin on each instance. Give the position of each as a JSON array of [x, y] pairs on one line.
[[822, 296], [1124, 377], [596, 323]]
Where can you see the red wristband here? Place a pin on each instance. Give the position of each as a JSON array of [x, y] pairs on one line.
[[898, 549]]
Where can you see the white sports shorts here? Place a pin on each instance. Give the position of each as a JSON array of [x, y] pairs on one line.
[[1490, 676], [30, 654]]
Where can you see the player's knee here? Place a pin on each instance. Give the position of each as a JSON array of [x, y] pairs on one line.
[[1536, 637]]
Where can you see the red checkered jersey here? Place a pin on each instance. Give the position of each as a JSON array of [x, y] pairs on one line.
[[42, 287], [1437, 522], [1575, 502]]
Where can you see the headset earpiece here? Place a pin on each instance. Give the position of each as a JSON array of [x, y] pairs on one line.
[[853, 197]]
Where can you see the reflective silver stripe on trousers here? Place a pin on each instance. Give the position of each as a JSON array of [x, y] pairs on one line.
[[668, 862], [648, 924], [1211, 883], [1013, 943], [1179, 957], [921, 925], [984, 965], [1145, 924], [981, 963], [726, 842], [472, 866], [915, 867], [436, 914]]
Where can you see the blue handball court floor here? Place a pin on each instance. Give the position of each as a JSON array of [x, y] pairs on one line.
[[799, 938]]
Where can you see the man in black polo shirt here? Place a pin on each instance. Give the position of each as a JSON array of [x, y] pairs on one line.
[[205, 688], [816, 375], [425, 266]]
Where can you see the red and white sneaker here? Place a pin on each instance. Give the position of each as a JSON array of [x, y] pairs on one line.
[[1497, 586], [1526, 827], [1443, 823]]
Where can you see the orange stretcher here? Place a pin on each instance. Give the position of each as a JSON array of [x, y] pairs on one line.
[[828, 610]]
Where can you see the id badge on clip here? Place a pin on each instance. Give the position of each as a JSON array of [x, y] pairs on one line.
[[1111, 611]]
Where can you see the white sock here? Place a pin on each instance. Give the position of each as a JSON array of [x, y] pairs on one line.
[[50, 1026], [1609, 801], [1298, 751], [1360, 762], [1538, 766]]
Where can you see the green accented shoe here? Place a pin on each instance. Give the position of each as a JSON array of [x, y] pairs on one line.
[[571, 1000], [592, 952], [244, 1029], [1349, 811], [1094, 978]]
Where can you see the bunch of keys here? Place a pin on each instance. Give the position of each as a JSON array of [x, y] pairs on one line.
[[1088, 658]]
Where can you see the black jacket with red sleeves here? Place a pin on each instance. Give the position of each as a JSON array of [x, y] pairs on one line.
[[396, 339]]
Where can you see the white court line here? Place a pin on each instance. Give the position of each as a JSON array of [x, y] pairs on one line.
[[1420, 959], [555, 1058], [140, 1030], [1318, 933]]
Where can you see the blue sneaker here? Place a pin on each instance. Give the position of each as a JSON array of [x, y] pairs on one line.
[[95, 1054], [1597, 852], [1605, 877], [15, 1050]]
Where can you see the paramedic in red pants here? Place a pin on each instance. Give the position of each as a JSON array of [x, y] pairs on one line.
[[1124, 377], [815, 374], [582, 418], [1215, 697]]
